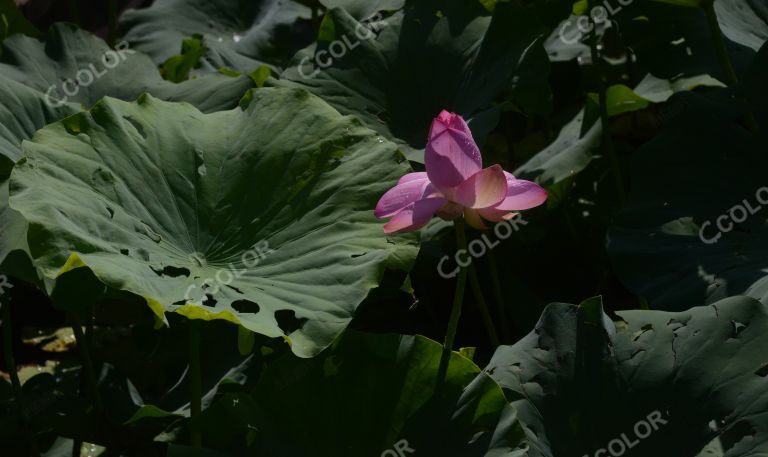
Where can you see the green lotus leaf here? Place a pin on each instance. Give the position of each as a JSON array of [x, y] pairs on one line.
[[397, 72], [569, 154], [573, 149], [22, 112], [697, 236], [676, 41], [239, 34], [32, 79], [376, 390], [671, 40], [743, 21], [652, 383], [76, 62], [262, 216]]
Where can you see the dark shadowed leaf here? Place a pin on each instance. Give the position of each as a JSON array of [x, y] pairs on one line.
[[581, 383], [262, 216]]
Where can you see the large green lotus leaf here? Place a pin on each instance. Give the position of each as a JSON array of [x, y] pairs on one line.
[[569, 154], [666, 245], [73, 54], [744, 21], [581, 383], [13, 228], [397, 73], [22, 112], [29, 68], [670, 40], [262, 217], [575, 146], [238, 34], [361, 397]]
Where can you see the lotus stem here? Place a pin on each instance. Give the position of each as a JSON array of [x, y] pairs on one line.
[[483, 307], [719, 40], [112, 24], [195, 383], [90, 374], [721, 49], [10, 364], [607, 141], [74, 12], [458, 299], [506, 334], [315, 12]]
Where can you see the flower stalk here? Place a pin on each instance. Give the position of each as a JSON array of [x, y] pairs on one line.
[[112, 24], [458, 299], [607, 145], [90, 374], [195, 383], [10, 364], [721, 49], [482, 306], [506, 334]]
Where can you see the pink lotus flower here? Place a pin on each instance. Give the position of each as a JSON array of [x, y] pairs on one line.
[[455, 183]]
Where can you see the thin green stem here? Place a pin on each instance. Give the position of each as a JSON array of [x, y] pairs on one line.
[[316, 13], [458, 299], [721, 49], [90, 373], [74, 12], [195, 383], [719, 40], [10, 364], [607, 141], [483, 307], [506, 333], [112, 24]]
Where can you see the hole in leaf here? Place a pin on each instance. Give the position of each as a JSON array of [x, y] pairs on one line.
[[763, 371], [246, 306], [287, 321], [124, 251], [111, 212], [173, 272], [209, 301]]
